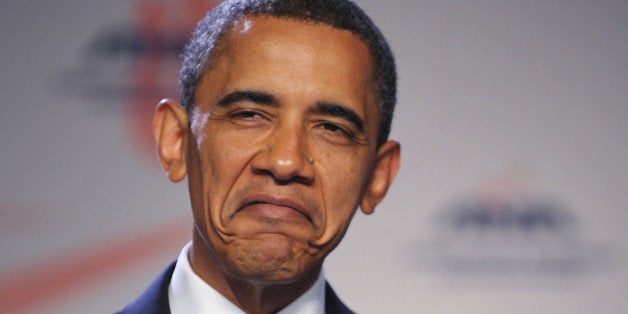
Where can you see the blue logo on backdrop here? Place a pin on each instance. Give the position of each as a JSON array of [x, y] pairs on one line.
[[504, 231]]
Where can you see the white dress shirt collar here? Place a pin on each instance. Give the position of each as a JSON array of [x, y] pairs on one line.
[[188, 293]]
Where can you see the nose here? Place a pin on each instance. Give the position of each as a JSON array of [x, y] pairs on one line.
[[286, 156]]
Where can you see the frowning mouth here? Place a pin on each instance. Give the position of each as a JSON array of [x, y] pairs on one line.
[[269, 207]]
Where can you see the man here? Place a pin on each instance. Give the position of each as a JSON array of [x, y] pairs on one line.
[[282, 132]]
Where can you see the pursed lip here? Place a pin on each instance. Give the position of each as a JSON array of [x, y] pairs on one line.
[[286, 202]]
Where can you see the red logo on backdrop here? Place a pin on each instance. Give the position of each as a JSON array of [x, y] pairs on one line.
[[135, 65]]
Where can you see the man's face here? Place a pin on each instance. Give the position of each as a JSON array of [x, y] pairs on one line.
[[282, 148]]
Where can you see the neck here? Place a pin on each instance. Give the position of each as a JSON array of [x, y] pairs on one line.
[[252, 296]]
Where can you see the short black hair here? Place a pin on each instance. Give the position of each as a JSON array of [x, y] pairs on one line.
[[203, 47]]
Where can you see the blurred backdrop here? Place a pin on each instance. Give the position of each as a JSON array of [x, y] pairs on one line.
[[512, 196]]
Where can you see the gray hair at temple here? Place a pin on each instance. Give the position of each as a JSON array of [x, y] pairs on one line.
[[204, 46]]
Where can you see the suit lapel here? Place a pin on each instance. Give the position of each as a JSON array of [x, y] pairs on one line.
[[155, 299], [333, 304]]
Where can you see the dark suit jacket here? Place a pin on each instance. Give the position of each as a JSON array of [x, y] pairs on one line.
[[155, 299]]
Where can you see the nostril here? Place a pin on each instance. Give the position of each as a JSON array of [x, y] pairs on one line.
[[284, 171]]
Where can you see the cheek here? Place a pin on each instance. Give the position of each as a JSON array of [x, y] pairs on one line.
[[346, 177], [225, 155], [224, 159]]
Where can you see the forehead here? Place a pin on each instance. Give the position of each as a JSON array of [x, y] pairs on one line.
[[264, 24], [307, 40], [261, 48]]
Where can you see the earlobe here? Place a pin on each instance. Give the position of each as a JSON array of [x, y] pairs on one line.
[[384, 172], [170, 126]]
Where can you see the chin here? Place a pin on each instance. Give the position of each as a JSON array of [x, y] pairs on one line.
[[271, 260]]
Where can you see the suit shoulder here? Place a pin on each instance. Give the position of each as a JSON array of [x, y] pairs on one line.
[[154, 300]]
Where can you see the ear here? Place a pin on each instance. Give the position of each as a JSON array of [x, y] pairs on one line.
[[170, 126], [384, 172]]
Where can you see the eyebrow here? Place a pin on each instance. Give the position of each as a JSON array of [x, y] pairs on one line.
[[246, 95], [323, 107], [340, 111]]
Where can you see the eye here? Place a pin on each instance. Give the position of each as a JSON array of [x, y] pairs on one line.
[[247, 114], [336, 133], [334, 128], [247, 117]]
